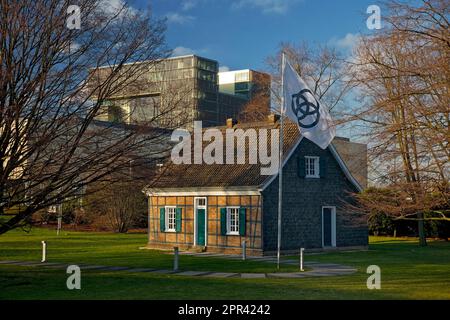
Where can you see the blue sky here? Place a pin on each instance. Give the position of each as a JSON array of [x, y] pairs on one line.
[[242, 33]]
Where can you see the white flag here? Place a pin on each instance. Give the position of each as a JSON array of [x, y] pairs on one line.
[[302, 107]]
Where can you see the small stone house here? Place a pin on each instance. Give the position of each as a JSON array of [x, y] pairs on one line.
[[216, 207]]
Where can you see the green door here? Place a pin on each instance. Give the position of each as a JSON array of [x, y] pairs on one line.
[[201, 217]]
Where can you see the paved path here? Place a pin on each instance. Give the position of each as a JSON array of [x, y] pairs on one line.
[[316, 269]]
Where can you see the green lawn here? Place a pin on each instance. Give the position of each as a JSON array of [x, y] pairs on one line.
[[111, 249], [407, 271]]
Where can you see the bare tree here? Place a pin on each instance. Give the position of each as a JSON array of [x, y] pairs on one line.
[[403, 75], [322, 67], [121, 202], [54, 82], [258, 107]]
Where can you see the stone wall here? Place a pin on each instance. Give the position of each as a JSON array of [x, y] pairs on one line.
[[303, 199]]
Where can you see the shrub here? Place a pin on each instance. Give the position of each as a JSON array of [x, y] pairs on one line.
[[381, 224]]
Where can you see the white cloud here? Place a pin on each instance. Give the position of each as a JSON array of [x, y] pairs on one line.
[[266, 6], [112, 7], [224, 69], [347, 43], [183, 51], [188, 4], [176, 18]]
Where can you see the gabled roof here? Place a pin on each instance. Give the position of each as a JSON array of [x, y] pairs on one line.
[[223, 177]]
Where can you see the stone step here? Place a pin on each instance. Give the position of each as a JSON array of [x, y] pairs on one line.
[[318, 270], [8, 261], [140, 270], [287, 275], [221, 275], [253, 275], [193, 273]]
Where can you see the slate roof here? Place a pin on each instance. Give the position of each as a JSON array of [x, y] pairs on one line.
[[224, 176]]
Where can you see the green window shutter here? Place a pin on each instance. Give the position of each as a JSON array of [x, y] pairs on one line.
[[223, 221], [323, 167], [178, 219], [242, 221], [162, 219], [301, 170]]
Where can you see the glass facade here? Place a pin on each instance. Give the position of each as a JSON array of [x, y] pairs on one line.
[[242, 76], [113, 111], [144, 109], [206, 64], [206, 75], [115, 114], [242, 89], [175, 92]]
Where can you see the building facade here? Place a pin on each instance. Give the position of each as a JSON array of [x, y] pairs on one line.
[[200, 221], [244, 83], [249, 84], [174, 92], [216, 207]]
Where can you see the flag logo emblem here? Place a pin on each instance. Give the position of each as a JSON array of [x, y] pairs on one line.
[[302, 107]]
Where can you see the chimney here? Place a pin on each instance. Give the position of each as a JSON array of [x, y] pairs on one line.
[[273, 118], [231, 122]]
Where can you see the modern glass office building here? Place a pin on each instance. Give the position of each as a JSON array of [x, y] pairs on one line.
[[175, 92], [243, 83]]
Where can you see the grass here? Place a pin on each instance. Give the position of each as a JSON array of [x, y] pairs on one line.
[[111, 249], [407, 271]]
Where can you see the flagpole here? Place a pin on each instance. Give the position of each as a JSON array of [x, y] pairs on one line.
[[280, 170]]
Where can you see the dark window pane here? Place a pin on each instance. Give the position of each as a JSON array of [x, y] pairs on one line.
[[144, 109], [327, 227], [241, 86]]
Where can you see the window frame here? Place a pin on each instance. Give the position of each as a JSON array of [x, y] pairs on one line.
[[229, 232], [166, 210], [316, 167]]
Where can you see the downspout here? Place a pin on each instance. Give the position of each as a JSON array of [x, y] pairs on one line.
[[261, 198], [149, 197]]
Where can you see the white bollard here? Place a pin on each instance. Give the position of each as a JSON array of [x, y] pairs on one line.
[[44, 251], [175, 259], [301, 259], [244, 250], [59, 226]]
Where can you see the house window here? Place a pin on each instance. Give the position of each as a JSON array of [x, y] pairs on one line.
[[233, 220], [171, 219], [312, 167]]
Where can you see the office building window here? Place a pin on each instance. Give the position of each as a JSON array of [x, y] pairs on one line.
[[205, 75], [241, 77], [144, 109], [241, 86]]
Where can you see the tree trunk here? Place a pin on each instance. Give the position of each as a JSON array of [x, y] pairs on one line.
[[422, 237]]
